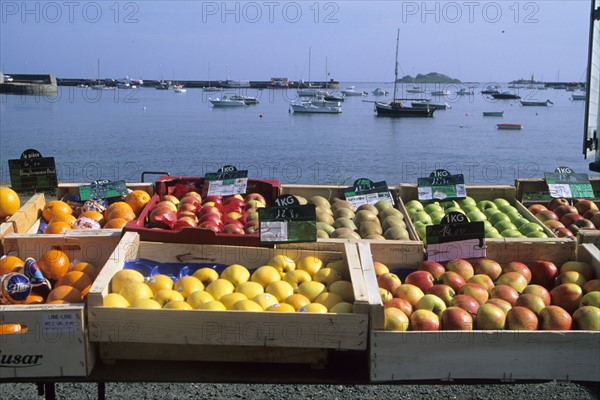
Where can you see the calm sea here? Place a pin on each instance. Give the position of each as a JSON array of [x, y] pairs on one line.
[[120, 134]]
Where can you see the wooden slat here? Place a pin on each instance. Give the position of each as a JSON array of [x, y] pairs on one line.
[[25, 218], [72, 188]]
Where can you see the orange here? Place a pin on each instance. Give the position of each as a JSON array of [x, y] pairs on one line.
[[121, 212], [137, 200], [95, 215], [68, 294], [86, 267], [117, 223], [79, 280], [34, 299], [9, 202], [116, 205], [67, 218], [10, 264], [56, 207], [57, 227], [9, 329], [54, 264]]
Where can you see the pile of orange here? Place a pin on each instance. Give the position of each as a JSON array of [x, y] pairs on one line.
[[118, 214], [137, 199], [59, 216]]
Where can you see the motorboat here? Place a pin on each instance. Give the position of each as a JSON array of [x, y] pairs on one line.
[[227, 102], [506, 96], [162, 85], [211, 89], [246, 99], [125, 84], [578, 96], [310, 107], [527, 103], [332, 97], [440, 93], [493, 113], [326, 101], [426, 104], [396, 108], [179, 89], [380, 92], [491, 89], [351, 91], [311, 92], [510, 127]]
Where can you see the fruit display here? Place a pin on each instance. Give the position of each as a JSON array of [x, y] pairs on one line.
[[501, 219], [482, 294], [281, 285], [9, 203], [235, 214], [566, 218], [339, 219]]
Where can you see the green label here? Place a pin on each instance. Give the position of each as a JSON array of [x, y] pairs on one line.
[[288, 224], [455, 237], [440, 185], [103, 189], [566, 183], [32, 172], [365, 191]]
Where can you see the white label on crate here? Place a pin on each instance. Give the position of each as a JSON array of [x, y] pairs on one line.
[[227, 187], [60, 322], [274, 231], [370, 198], [560, 190]]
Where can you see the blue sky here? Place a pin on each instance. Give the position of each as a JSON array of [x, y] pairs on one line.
[[470, 40]]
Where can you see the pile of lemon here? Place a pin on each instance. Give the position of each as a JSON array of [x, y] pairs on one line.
[[282, 285]]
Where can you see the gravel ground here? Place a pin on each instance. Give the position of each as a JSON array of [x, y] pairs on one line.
[[180, 391]]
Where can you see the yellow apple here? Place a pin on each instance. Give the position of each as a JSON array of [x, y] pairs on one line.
[[177, 305], [297, 301], [163, 296], [198, 298], [265, 275], [247, 305], [342, 308], [282, 263], [115, 300], [310, 264], [296, 277], [213, 305], [206, 275], [281, 307], [236, 274], [311, 289], [344, 289], [280, 289], [149, 304], [314, 308], [250, 289], [265, 300], [230, 299], [136, 290], [327, 276], [219, 288], [159, 282], [123, 277], [328, 299]]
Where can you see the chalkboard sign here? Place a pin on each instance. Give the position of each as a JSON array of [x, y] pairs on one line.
[[455, 237], [440, 185], [226, 181], [103, 189], [288, 222], [365, 191], [32, 172], [564, 182]]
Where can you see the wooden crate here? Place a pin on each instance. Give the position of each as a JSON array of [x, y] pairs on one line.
[[488, 355], [67, 189], [56, 343], [24, 219], [331, 192], [243, 336], [535, 190], [409, 192]]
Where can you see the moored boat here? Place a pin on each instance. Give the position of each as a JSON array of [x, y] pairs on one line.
[[308, 107], [246, 99], [351, 91], [426, 104], [536, 103], [506, 96], [493, 113], [226, 102], [510, 127]]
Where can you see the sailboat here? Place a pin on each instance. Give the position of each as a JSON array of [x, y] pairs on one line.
[[396, 108], [98, 85], [209, 88]]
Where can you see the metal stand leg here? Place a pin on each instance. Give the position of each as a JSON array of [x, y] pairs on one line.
[[101, 391]]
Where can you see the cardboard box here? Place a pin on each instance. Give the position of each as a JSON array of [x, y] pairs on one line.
[[490, 355], [56, 343], [126, 333]]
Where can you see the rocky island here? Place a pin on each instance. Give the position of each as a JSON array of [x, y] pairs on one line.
[[432, 77]]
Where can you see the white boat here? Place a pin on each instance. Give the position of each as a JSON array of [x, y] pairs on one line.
[[179, 89], [311, 92], [440, 93], [351, 91], [322, 102], [211, 89], [380, 92], [227, 102], [246, 99], [309, 107], [125, 84], [465, 92]]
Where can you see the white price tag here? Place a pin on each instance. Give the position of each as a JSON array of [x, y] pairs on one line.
[[560, 190], [371, 198], [274, 231], [220, 188], [425, 193]]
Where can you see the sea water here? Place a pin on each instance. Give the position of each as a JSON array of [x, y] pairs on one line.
[[119, 134]]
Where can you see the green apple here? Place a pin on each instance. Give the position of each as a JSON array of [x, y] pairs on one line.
[[498, 217], [507, 208], [501, 202], [490, 211], [467, 201], [449, 204], [476, 215], [454, 209], [468, 208], [493, 234], [487, 224], [530, 227], [485, 204], [536, 234], [421, 216], [514, 215], [416, 204], [511, 233], [520, 222], [436, 217], [433, 207], [504, 225]]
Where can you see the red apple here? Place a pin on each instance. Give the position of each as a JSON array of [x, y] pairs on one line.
[[487, 267], [564, 210], [592, 285], [482, 280], [211, 216], [424, 320], [547, 215], [521, 319], [400, 304], [234, 215], [555, 318], [543, 273], [563, 232], [210, 225], [554, 203], [215, 201], [587, 318], [585, 205], [466, 302], [171, 198], [410, 293], [234, 201], [186, 222], [596, 220], [434, 268], [461, 267], [395, 320], [380, 268], [194, 195], [388, 281], [157, 217], [567, 296], [442, 291], [536, 208], [476, 291], [456, 319], [503, 304], [251, 226], [531, 301], [235, 222], [166, 203], [193, 207], [506, 293], [570, 218], [539, 291], [210, 209], [583, 223], [512, 279], [490, 317], [422, 279], [255, 196], [552, 224], [452, 279], [589, 214], [187, 213], [515, 266], [232, 229]]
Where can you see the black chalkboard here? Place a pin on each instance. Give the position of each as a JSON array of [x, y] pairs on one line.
[[32, 172]]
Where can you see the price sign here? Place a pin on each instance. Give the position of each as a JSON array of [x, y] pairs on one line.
[[32, 172], [564, 182], [103, 189], [226, 181], [455, 237], [440, 185], [365, 191], [288, 222]]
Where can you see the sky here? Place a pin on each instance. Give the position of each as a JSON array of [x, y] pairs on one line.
[[349, 41]]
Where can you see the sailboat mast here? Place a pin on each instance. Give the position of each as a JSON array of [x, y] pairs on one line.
[[309, 50], [396, 64]]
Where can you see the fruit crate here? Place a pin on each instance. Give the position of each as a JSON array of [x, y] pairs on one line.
[[56, 343], [233, 336], [331, 192], [66, 190], [408, 192], [506, 355], [535, 190], [24, 219], [168, 185]]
